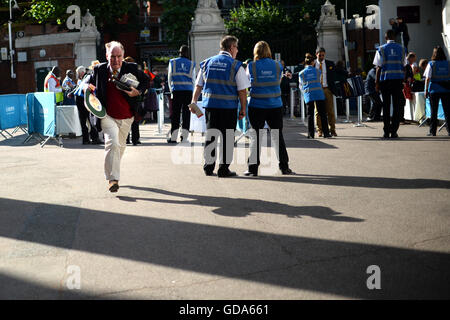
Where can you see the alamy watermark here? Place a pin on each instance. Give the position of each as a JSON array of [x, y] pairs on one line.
[[73, 281], [374, 281]]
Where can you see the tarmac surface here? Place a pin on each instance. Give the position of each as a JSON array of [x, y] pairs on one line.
[[171, 232]]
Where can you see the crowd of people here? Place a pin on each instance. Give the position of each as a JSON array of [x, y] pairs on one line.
[[224, 84]]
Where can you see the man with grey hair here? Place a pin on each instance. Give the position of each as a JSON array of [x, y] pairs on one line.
[[120, 106]]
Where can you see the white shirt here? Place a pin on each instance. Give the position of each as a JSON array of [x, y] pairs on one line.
[[242, 81], [169, 76], [324, 72], [378, 60], [428, 72]]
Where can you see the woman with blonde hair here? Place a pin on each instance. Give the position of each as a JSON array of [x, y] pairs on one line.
[[265, 106], [314, 96]]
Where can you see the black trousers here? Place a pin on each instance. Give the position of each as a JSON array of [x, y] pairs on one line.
[[391, 90], [83, 115], [320, 104], [135, 135], [274, 119], [376, 106], [221, 121], [181, 100], [434, 102]]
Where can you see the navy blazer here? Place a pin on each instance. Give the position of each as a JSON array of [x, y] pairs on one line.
[[100, 76]]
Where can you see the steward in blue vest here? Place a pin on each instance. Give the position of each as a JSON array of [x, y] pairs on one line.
[[392, 56], [223, 84], [310, 84], [180, 78], [314, 96], [437, 88], [265, 76], [265, 106], [220, 89], [440, 76], [390, 60]]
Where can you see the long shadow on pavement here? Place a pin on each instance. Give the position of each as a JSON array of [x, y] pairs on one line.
[[238, 207], [357, 182], [294, 262]]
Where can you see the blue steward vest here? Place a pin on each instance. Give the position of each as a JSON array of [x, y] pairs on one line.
[[181, 74], [440, 72], [310, 84], [265, 76], [392, 68], [219, 77]]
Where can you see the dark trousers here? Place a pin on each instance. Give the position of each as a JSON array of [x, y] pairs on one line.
[[223, 121], [181, 100], [274, 119], [376, 106], [320, 105], [83, 115], [391, 90], [434, 102], [135, 135]]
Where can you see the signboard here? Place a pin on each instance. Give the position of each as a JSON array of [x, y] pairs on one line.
[[4, 53], [145, 33]]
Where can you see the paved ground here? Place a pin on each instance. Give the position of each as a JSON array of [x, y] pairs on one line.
[[173, 233]]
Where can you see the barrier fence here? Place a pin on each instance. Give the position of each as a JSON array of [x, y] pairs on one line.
[[13, 114]]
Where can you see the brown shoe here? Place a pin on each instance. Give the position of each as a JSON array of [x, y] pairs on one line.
[[320, 134], [113, 185], [334, 134]]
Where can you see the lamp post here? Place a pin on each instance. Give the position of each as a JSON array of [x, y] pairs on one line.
[[11, 51]]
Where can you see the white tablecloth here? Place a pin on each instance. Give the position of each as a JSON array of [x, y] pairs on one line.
[[67, 120]]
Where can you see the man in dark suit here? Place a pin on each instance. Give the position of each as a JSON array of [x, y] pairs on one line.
[[120, 106], [327, 79]]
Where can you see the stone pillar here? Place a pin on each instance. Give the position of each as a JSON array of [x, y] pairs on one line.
[[329, 33], [207, 30], [86, 46]]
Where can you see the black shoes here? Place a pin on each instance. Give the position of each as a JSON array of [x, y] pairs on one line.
[[171, 141], [96, 142], [394, 136], [226, 174], [431, 134], [385, 136], [113, 186], [286, 171], [327, 136]]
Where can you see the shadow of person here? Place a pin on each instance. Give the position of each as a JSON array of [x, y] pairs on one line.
[[357, 182], [239, 207]]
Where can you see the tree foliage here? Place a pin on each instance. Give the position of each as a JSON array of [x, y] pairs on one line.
[[177, 20], [290, 33], [106, 12]]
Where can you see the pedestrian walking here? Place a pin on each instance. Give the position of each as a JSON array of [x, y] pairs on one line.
[[120, 106]]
